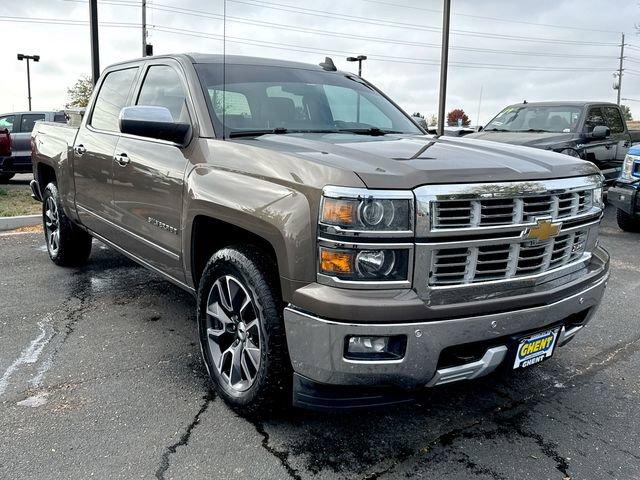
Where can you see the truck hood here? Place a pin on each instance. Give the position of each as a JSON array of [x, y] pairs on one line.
[[408, 161], [528, 139]]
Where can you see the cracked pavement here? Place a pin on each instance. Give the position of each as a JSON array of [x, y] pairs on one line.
[[101, 376]]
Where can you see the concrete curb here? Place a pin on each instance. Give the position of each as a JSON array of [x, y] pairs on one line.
[[11, 223]]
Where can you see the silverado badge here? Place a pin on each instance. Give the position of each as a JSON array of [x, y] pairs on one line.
[[543, 231]]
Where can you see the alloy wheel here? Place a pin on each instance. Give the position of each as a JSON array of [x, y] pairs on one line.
[[233, 333], [52, 225]]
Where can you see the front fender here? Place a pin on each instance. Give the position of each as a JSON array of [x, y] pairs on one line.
[[280, 214]]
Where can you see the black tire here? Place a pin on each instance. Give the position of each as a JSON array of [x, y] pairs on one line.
[[627, 222], [68, 245], [5, 177], [271, 385]]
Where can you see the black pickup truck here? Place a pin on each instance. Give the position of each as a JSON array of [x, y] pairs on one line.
[[593, 131]]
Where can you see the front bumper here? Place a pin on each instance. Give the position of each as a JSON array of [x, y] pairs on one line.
[[624, 196], [316, 345]]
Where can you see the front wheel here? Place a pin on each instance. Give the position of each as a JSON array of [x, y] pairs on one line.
[[627, 222], [241, 330], [68, 245]]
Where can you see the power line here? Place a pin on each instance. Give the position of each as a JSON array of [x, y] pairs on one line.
[[388, 23], [384, 58], [56, 21], [495, 19], [244, 20]]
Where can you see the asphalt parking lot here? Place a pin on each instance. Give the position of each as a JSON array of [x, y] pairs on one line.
[[101, 377]]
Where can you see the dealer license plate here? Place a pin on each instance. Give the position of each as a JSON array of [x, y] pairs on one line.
[[536, 348]]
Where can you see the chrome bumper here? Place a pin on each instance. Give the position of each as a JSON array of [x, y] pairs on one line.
[[316, 345]]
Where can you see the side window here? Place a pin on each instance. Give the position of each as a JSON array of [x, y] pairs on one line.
[[28, 121], [594, 118], [60, 118], [112, 98], [162, 88], [7, 122], [343, 103], [613, 119]]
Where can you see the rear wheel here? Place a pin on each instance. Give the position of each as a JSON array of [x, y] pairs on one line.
[[242, 331], [5, 177], [627, 222], [68, 245]]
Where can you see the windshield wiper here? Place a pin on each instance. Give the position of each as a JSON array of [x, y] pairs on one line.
[[257, 133], [495, 130], [534, 130], [373, 131], [277, 131]]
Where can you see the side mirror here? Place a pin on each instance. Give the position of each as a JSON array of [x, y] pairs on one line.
[[480, 128], [600, 132], [153, 122]]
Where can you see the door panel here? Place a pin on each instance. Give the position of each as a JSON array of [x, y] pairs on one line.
[[21, 140], [147, 190], [148, 179], [600, 152], [94, 150]]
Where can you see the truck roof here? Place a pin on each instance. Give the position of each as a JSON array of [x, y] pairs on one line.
[[572, 103], [31, 112], [194, 57]]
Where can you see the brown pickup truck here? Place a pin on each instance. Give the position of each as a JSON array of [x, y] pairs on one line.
[[339, 255]]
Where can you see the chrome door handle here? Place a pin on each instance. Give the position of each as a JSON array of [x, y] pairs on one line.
[[79, 150], [122, 159]]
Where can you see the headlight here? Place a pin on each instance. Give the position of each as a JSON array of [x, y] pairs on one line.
[[628, 167], [350, 216], [351, 211], [353, 265], [597, 197]]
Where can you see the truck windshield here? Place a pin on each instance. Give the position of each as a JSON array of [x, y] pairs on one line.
[[263, 99], [535, 118]]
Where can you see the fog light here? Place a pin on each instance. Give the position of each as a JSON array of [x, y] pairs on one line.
[[375, 347], [375, 263]]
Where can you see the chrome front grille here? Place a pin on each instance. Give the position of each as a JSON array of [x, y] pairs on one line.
[[452, 265], [490, 212]]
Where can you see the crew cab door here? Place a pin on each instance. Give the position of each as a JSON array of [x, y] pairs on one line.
[[149, 176], [619, 135], [94, 149], [601, 152]]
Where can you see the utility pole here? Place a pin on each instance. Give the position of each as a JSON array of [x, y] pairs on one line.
[[444, 64], [93, 33], [35, 58], [620, 69], [144, 28]]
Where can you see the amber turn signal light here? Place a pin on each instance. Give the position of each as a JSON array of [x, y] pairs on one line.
[[338, 212], [336, 262]]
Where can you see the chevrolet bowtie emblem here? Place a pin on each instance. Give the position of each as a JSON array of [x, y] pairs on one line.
[[543, 231]]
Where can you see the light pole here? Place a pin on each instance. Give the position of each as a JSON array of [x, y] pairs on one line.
[[35, 58], [444, 65], [359, 59]]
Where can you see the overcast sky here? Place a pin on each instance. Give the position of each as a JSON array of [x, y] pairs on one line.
[[409, 33]]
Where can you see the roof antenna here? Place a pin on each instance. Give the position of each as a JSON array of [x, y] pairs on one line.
[[328, 65], [525, 102]]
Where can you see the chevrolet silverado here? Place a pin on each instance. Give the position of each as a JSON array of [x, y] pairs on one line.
[[340, 256]]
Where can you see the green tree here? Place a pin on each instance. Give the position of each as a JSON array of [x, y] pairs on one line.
[[80, 93], [626, 113]]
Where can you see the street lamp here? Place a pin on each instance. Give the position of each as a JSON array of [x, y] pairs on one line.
[[359, 59], [35, 58]]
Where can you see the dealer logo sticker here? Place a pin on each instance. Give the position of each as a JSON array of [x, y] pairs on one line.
[[536, 348]]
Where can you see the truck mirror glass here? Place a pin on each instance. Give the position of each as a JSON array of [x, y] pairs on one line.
[[153, 122], [600, 132]]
